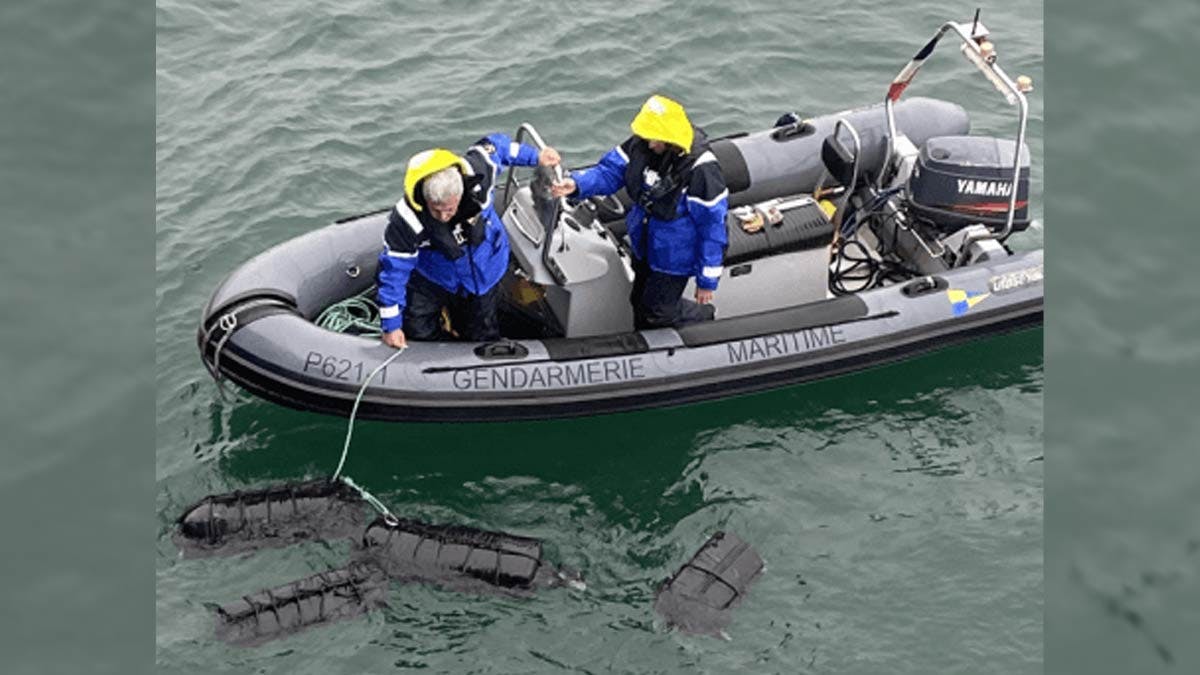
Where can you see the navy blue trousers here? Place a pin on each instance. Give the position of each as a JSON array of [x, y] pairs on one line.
[[472, 316], [658, 300]]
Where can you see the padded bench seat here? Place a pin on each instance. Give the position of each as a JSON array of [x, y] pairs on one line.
[[803, 227]]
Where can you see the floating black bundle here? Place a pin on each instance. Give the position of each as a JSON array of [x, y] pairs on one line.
[[700, 597], [451, 556], [321, 598], [276, 515], [459, 557]]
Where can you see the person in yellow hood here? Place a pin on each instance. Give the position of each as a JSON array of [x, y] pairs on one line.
[[677, 219], [445, 246]]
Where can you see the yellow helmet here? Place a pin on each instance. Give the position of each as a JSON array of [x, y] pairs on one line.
[[662, 119], [425, 164]]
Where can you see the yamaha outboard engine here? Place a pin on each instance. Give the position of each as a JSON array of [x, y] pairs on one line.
[[963, 180]]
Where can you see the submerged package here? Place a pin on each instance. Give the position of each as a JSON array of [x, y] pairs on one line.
[[277, 515], [458, 557], [318, 599], [699, 598]]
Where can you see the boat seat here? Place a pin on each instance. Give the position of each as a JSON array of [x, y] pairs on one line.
[[803, 227]]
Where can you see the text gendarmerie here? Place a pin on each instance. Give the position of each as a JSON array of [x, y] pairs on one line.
[[540, 376]]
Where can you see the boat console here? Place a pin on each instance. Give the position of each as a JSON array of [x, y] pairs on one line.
[[566, 263]]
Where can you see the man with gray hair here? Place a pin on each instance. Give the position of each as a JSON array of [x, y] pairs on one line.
[[445, 246]]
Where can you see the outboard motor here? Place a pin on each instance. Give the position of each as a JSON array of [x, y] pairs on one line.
[[963, 180]]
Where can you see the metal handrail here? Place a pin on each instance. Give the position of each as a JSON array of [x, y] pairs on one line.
[[526, 129], [986, 63], [844, 123]]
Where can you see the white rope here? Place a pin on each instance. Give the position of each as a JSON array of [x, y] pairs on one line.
[[228, 323], [354, 410], [358, 312], [370, 499], [337, 474]]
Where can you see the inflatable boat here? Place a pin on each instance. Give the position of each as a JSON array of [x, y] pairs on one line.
[[856, 239]]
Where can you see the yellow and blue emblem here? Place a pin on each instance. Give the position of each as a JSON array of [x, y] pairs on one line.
[[962, 301]]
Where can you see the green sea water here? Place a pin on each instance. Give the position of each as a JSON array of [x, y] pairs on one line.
[[899, 510]]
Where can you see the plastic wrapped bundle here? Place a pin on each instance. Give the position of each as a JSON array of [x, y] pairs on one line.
[[319, 599], [700, 597], [273, 516], [459, 557]]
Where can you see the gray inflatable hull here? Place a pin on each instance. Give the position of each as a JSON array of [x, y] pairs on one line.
[[772, 163], [272, 348]]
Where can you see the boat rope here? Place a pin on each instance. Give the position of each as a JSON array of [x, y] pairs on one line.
[[337, 474], [358, 314], [228, 323], [369, 498]]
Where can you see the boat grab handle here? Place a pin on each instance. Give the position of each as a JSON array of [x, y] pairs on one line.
[[922, 285], [503, 349]]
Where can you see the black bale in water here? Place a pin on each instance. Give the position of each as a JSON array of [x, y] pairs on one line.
[[461, 558], [274, 516], [451, 556], [700, 597], [322, 598]]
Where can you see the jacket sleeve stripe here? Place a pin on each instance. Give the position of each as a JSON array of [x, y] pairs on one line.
[[710, 202], [392, 293], [398, 254], [712, 272]]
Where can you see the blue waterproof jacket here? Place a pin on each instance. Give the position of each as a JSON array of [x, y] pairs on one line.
[[468, 255], [677, 230]]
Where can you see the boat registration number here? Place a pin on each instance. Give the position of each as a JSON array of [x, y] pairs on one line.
[[337, 368]]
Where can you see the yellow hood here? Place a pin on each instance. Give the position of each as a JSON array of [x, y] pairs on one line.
[[662, 119]]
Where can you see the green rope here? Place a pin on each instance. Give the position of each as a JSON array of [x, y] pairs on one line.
[[357, 313]]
